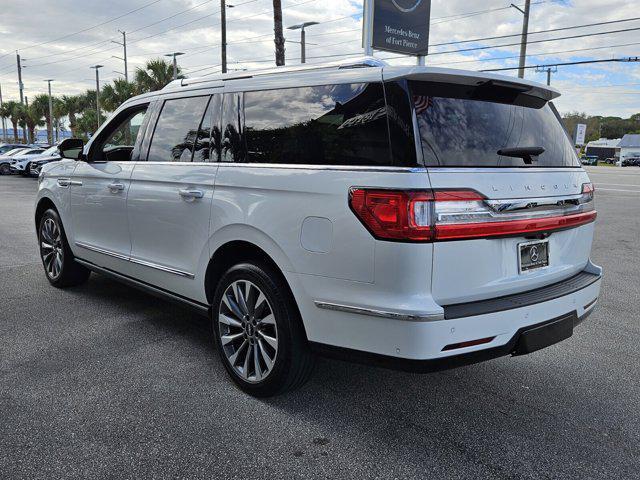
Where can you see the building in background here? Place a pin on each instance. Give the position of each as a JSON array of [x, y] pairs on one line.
[[629, 146]]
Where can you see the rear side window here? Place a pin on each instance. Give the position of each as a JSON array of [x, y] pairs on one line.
[[466, 128], [343, 124], [177, 130]]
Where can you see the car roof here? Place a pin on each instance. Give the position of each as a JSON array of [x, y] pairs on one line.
[[366, 69]]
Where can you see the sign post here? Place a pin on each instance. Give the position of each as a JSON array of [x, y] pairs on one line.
[[400, 26]]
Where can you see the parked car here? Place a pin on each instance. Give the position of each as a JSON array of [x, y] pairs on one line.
[[36, 165], [589, 160], [22, 163], [9, 157], [336, 210], [23, 158], [630, 162], [5, 147], [610, 160]]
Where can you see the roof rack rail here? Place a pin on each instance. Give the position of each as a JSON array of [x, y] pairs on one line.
[[363, 62]]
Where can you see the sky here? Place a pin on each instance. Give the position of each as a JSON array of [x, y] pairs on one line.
[[61, 39]]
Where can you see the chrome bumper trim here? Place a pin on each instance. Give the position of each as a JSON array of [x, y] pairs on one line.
[[427, 317]]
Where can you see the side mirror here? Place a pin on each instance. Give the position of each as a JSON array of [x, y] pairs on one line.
[[71, 148]]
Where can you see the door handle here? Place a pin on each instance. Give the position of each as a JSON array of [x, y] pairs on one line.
[[64, 182], [191, 194], [116, 187]]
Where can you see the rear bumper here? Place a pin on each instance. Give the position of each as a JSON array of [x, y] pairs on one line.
[[515, 325]]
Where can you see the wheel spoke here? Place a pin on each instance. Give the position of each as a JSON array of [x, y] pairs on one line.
[[234, 358], [245, 367], [227, 339], [232, 305], [229, 321], [240, 295], [268, 320], [265, 357], [46, 246], [256, 362], [270, 340]]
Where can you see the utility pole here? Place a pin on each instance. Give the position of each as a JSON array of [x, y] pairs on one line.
[[124, 59], [548, 70], [303, 38], [175, 63], [20, 85], [4, 120], [50, 126], [97, 67], [223, 30], [525, 33], [25, 130], [277, 30]]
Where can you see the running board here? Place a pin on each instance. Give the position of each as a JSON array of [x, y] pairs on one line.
[[197, 307]]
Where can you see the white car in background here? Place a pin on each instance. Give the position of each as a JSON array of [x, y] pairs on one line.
[[7, 159], [411, 217], [21, 163]]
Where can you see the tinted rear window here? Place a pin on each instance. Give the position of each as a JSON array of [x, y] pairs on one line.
[[466, 127]]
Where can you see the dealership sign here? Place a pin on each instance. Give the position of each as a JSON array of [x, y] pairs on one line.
[[581, 133], [401, 26]]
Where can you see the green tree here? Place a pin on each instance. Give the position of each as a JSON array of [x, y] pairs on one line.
[[40, 105], [155, 75], [11, 110], [32, 117], [115, 94], [87, 123]]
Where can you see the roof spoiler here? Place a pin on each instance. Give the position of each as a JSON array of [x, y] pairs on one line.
[[472, 79]]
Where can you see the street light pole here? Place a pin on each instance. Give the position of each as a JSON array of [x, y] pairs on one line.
[[303, 38], [50, 126], [367, 28], [175, 63], [525, 33], [97, 68]]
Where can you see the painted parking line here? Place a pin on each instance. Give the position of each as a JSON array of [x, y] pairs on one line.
[[615, 190]]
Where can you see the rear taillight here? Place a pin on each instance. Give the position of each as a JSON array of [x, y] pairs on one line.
[[394, 214], [441, 215]]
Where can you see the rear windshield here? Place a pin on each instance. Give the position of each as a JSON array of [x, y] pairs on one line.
[[468, 126]]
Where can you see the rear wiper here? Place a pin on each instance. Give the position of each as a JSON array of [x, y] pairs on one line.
[[525, 153]]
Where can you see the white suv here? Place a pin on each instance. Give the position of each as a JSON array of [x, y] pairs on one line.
[[411, 217]]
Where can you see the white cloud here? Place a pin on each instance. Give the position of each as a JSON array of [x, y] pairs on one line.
[[68, 59]]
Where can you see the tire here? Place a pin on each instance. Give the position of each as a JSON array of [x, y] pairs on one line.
[[5, 169], [59, 264], [25, 172], [259, 334]]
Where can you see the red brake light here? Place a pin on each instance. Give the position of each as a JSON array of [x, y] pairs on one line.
[[393, 214], [588, 188]]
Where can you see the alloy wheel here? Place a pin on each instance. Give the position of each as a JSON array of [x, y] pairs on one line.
[[248, 331], [51, 248]]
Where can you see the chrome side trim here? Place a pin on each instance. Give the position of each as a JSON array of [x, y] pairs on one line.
[[162, 268], [284, 166], [86, 246], [137, 261], [427, 317]]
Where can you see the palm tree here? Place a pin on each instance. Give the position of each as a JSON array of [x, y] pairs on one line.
[[74, 105], [40, 106], [12, 110], [32, 118], [155, 75], [277, 29], [5, 112], [114, 95]]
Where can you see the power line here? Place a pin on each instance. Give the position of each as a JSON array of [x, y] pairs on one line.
[[581, 62], [88, 28]]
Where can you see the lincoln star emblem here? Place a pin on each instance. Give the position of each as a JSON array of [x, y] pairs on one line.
[[533, 254], [407, 6]]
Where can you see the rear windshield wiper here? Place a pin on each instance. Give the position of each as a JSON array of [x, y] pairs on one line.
[[525, 153]]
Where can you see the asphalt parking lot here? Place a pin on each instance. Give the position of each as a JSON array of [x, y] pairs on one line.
[[105, 381]]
